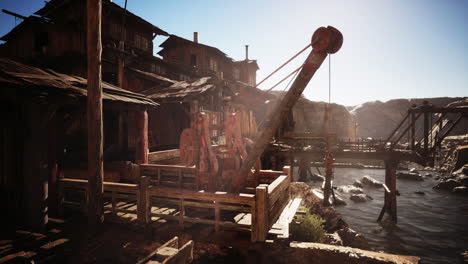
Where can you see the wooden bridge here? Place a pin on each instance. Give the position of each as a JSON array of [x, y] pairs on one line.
[[403, 144]]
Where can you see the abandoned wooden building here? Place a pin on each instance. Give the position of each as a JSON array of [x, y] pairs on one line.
[[44, 135], [196, 87], [55, 37]]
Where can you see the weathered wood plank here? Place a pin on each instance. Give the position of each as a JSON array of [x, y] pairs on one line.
[[94, 114], [261, 195], [246, 199], [144, 205]]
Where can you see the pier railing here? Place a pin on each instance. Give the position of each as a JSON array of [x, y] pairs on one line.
[[255, 212]]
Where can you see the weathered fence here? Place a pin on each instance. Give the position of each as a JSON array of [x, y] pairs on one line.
[[248, 212]]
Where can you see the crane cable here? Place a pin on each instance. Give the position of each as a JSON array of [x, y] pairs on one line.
[[277, 69]]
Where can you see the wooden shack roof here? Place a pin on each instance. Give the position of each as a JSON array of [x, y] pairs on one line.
[[53, 5], [22, 76], [152, 77], [249, 62], [182, 91], [174, 41], [31, 20]]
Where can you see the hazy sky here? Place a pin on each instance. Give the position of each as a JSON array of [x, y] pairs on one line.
[[392, 49]]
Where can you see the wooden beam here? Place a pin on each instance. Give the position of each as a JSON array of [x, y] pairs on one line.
[[141, 151], [261, 204], [144, 205], [94, 112]]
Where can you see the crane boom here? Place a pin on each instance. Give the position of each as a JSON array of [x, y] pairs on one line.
[[325, 40]]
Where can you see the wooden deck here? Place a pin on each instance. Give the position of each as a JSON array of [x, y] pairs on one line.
[[170, 192]]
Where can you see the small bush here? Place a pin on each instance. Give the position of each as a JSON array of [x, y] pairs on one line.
[[308, 228]]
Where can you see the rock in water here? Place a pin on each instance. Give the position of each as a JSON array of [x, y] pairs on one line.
[[333, 239], [338, 200], [317, 177], [358, 184], [350, 189], [420, 192], [460, 190], [413, 170], [360, 198], [351, 238], [448, 184], [369, 181], [410, 176], [427, 175]]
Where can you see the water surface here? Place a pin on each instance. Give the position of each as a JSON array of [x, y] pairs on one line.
[[433, 226]]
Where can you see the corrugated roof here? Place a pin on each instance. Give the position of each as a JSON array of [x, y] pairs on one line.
[[181, 90], [23, 76], [152, 76]]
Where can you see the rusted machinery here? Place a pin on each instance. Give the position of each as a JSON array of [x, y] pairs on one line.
[[237, 163]]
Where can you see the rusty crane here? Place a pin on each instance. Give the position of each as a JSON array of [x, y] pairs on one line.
[[195, 147]]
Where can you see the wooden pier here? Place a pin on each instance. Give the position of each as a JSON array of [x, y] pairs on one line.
[[168, 191]]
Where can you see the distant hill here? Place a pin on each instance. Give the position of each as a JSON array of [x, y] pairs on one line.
[[377, 119]]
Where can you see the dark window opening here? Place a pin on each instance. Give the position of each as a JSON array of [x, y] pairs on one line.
[[41, 40], [193, 60], [110, 77]]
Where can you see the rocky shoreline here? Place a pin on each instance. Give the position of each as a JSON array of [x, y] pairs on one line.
[[338, 231], [457, 182]]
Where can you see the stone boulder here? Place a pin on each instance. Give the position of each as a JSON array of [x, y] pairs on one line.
[[333, 239], [316, 177], [350, 189], [369, 181], [460, 190], [463, 179], [360, 198], [448, 184], [358, 184], [420, 192], [414, 170], [338, 201], [353, 239], [410, 176]]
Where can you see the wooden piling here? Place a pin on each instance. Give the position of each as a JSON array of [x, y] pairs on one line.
[[94, 114], [35, 174], [390, 201]]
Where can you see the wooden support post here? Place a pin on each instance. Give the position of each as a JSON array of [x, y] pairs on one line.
[[141, 152], [121, 64], [159, 176], [52, 164], [181, 211], [390, 200], [34, 170], [261, 204], [179, 178], [114, 201], [413, 130], [94, 111], [144, 203], [217, 213], [426, 133], [287, 171], [60, 195], [291, 165]]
